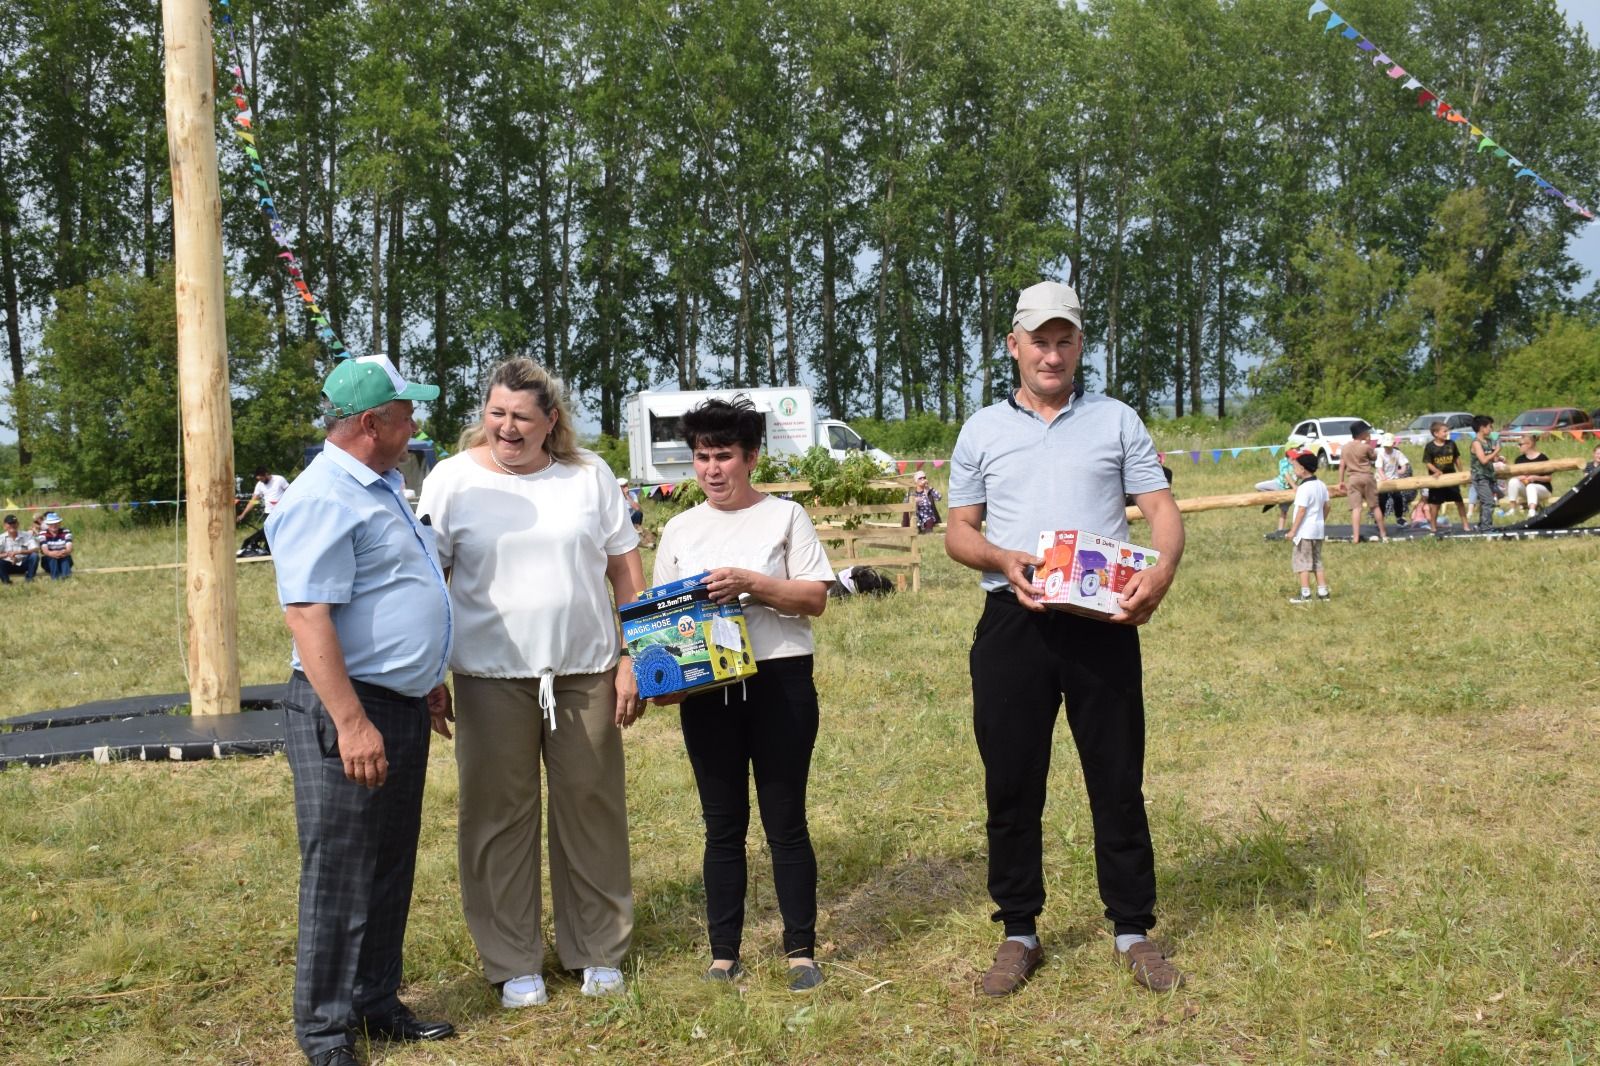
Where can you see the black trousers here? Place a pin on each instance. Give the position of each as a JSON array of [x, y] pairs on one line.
[[1023, 663], [358, 853], [768, 725], [1398, 503]]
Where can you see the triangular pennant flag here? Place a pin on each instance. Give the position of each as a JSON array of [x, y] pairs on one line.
[[1424, 98], [902, 467], [1526, 171], [1475, 131], [938, 464], [1236, 452], [1349, 32], [1194, 457], [1216, 455], [1501, 153], [263, 185], [1570, 204], [1276, 448], [1333, 21], [1396, 71], [1412, 83], [1442, 110], [1316, 8], [1366, 45], [1381, 60], [1487, 142]]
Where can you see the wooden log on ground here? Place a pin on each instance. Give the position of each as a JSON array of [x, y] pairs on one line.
[[1405, 484]]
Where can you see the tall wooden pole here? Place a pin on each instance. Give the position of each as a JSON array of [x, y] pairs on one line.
[[203, 394]]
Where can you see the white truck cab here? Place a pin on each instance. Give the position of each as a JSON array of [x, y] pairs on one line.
[[657, 454]]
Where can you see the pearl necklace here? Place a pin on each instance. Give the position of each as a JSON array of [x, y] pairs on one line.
[[516, 473]]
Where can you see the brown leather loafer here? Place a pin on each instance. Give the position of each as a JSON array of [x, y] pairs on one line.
[[1014, 963], [1150, 967]]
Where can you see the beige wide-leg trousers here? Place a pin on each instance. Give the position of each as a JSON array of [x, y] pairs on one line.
[[501, 735]]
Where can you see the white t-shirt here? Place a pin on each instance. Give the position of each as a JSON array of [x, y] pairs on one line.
[[1313, 496], [270, 491], [527, 558], [1392, 464], [773, 537]]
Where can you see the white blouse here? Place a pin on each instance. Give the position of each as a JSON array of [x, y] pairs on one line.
[[527, 558]]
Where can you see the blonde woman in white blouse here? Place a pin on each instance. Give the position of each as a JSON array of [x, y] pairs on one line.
[[531, 530]]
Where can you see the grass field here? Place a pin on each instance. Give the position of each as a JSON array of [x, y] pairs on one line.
[[1375, 824]]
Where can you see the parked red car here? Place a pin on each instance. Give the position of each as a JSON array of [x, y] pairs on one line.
[[1546, 420]]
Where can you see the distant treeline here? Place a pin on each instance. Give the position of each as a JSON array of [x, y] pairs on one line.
[[753, 192]]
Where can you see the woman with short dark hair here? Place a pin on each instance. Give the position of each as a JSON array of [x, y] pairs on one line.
[[764, 551]]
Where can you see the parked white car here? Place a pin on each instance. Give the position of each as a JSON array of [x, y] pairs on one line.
[[1325, 436]]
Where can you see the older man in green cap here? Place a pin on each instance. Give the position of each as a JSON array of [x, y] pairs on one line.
[[365, 600]]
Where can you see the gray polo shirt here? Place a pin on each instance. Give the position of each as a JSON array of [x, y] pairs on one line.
[[1070, 474]]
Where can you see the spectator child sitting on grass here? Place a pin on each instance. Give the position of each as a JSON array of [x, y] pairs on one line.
[[1309, 529]]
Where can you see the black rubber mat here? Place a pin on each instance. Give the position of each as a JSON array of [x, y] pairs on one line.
[[251, 697], [1369, 534], [148, 737]]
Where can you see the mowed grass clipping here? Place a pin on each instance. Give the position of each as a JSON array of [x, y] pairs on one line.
[[1375, 824]]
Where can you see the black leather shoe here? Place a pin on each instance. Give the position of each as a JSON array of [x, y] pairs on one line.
[[339, 1056], [401, 1024]]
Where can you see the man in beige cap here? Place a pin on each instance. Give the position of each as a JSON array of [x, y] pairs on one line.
[[1047, 457]]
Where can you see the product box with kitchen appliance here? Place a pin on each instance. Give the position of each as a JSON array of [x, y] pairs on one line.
[[682, 642], [1085, 573]]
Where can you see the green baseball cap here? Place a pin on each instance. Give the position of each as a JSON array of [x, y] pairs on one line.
[[370, 381]]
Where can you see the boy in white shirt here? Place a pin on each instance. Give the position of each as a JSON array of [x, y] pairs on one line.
[[1309, 529]]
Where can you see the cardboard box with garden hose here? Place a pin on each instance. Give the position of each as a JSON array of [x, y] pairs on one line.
[[681, 641]]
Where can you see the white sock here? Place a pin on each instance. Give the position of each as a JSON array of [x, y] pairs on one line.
[[1127, 940], [1322, 590], [1030, 942]]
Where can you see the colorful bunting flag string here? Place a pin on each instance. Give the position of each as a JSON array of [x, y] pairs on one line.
[[1440, 108], [243, 131]]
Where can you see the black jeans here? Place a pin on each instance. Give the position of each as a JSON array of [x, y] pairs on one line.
[[769, 724], [1397, 503], [1022, 664]]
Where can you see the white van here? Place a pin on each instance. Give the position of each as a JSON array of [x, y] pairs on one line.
[[657, 454]]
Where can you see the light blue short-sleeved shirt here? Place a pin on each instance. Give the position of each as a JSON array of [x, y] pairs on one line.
[[344, 535], [1069, 474]]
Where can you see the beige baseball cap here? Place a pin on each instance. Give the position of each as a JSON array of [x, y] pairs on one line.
[[1040, 303]]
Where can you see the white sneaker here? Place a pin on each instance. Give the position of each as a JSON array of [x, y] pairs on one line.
[[601, 981], [527, 991]]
